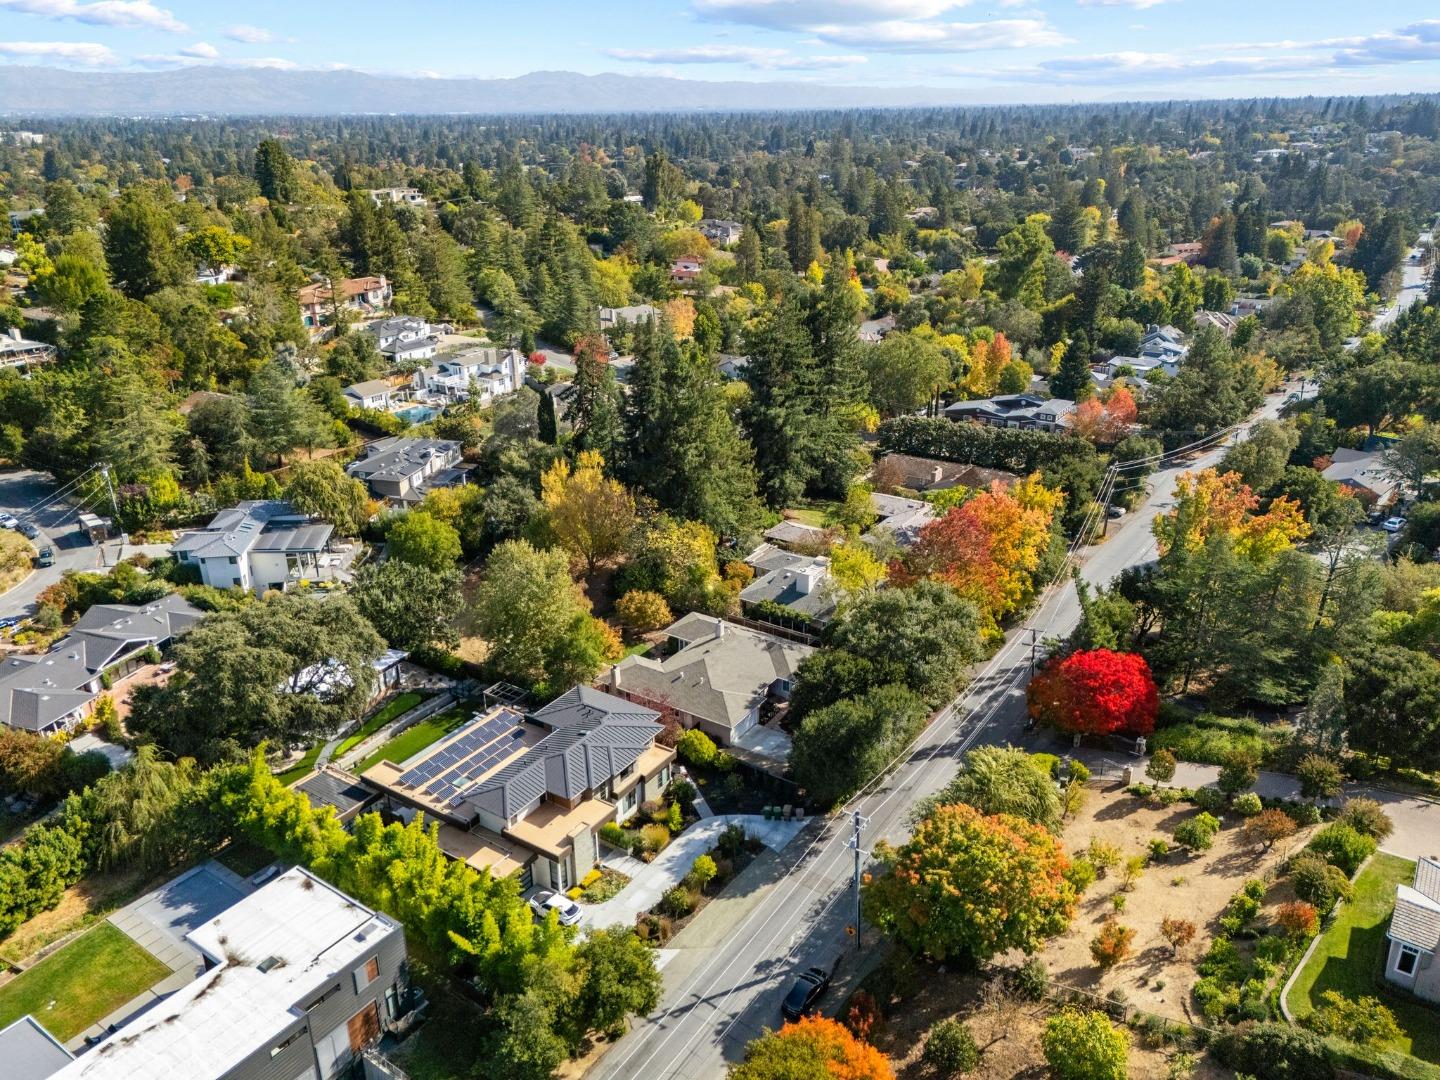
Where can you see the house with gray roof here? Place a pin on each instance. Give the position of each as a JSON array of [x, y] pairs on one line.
[[30, 1052], [1414, 958], [1364, 474], [718, 676], [20, 352], [490, 373], [259, 545], [527, 794], [614, 317], [1016, 411], [799, 583], [405, 337], [401, 470], [899, 518], [55, 691], [376, 395]]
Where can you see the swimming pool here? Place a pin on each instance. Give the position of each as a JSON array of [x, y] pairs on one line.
[[418, 414]]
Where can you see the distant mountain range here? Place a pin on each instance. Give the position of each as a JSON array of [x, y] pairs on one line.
[[45, 91]]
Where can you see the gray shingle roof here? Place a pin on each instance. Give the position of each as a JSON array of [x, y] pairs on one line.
[[1417, 919], [594, 737], [236, 531]]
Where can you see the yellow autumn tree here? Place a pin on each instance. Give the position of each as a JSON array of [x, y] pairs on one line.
[[1211, 502], [591, 515]]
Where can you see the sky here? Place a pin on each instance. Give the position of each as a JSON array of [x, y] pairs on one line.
[[1001, 50]]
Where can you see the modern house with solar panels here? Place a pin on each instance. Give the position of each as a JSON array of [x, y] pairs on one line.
[[526, 794]]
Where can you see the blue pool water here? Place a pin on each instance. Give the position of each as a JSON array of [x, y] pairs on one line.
[[418, 414]]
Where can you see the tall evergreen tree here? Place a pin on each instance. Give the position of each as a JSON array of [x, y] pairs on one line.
[[778, 415], [275, 172], [1072, 379], [595, 408]]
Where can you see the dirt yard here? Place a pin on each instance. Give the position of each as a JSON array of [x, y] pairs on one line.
[[1008, 1032], [1194, 887]]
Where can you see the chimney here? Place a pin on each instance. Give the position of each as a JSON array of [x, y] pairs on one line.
[[937, 474], [14, 333]]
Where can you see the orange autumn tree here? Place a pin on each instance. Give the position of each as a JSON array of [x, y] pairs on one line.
[[812, 1048], [1106, 421], [1210, 502], [989, 548]]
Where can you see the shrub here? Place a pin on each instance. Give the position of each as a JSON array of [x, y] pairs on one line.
[[653, 810], [614, 835], [1274, 1052], [1134, 867], [1364, 1021], [1254, 889], [1081, 874], [1211, 739], [1158, 847], [1297, 918], [1084, 1046], [1112, 944], [1210, 799], [1367, 817], [1197, 833], [1103, 855], [1238, 773], [695, 747], [702, 871], [863, 1016], [684, 793], [1178, 932], [950, 1049], [1320, 777], [1268, 827], [640, 609], [732, 841], [1317, 882], [677, 903], [654, 837], [1247, 805], [1031, 979], [1303, 814], [1162, 766], [673, 819], [1343, 846]]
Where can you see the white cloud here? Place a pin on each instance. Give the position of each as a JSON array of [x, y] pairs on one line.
[[201, 50], [1418, 41], [124, 13], [250, 35], [760, 59], [803, 14], [89, 53], [942, 37], [1138, 5]]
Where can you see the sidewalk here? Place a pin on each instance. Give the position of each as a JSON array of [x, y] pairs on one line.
[[650, 881], [1416, 819]]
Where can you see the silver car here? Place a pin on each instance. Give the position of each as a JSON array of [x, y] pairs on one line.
[[545, 901]]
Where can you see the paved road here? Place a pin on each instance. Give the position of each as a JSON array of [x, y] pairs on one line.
[[723, 987], [23, 492], [1413, 286]]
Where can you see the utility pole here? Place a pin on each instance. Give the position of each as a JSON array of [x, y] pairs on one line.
[[859, 823], [1034, 649], [114, 506]]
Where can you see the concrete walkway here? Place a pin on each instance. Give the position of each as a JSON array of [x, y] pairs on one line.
[[650, 881], [1416, 818]]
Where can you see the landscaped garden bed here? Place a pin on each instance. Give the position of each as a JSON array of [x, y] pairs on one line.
[[417, 737], [710, 873], [601, 884], [658, 821]]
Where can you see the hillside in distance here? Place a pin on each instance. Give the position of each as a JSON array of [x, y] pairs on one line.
[[36, 91]]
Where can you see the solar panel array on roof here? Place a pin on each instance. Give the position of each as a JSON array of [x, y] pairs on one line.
[[479, 747]]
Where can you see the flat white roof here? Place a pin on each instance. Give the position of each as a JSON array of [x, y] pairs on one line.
[[303, 931]]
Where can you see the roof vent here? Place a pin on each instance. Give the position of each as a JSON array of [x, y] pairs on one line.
[[270, 963]]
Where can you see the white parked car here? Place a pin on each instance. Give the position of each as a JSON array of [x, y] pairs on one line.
[[1393, 525], [545, 901], [9, 521]]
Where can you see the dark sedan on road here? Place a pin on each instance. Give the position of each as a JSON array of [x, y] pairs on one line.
[[810, 986]]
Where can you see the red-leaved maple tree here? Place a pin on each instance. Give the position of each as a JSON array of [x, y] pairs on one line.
[[1097, 692]]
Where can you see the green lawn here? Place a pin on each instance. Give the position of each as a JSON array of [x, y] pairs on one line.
[[301, 768], [86, 980], [414, 739], [1350, 958], [401, 703]]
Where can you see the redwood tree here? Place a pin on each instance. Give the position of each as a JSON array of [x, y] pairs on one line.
[[1096, 692]]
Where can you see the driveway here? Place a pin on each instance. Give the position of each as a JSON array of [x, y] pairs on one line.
[[650, 881]]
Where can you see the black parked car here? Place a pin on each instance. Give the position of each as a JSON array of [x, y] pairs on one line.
[[810, 986]]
